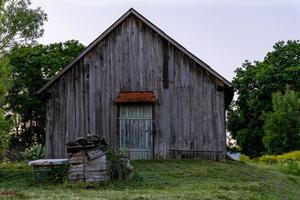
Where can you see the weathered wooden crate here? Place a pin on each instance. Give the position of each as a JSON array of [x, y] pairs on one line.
[[88, 166]]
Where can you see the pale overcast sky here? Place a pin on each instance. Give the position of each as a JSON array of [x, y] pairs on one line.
[[222, 33]]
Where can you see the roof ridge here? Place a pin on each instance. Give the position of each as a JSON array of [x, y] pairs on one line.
[[152, 26]]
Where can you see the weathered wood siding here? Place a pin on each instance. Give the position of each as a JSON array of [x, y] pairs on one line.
[[189, 114]]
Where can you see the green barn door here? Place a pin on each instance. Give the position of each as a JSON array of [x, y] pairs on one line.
[[135, 131]]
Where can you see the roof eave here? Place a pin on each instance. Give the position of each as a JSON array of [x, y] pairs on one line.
[[86, 50]]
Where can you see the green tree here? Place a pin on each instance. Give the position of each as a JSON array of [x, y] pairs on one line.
[[19, 24], [33, 66], [5, 120], [254, 83], [282, 125]]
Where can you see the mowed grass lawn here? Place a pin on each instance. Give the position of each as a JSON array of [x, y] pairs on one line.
[[169, 179]]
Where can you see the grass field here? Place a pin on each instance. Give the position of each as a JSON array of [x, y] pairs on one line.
[[181, 179]]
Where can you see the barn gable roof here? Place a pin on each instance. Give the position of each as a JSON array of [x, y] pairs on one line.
[[153, 27]]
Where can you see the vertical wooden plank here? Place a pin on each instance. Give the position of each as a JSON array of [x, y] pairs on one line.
[[99, 83], [166, 122], [149, 54], [67, 108], [193, 108], [47, 131], [49, 126], [77, 101], [103, 86], [186, 95], [73, 106], [113, 89], [86, 115], [165, 49], [81, 98], [56, 134], [52, 132], [133, 56], [59, 118], [201, 104], [91, 97], [217, 118], [63, 118], [143, 57], [110, 88], [212, 120]]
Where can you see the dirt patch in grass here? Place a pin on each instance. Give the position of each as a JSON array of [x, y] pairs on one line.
[[8, 193], [11, 194]]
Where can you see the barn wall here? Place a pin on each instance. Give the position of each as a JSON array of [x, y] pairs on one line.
[[189, 114]]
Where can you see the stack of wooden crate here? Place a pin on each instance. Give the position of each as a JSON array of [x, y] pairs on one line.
[[88, 160]]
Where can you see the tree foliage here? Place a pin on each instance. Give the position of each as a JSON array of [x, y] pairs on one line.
[[282, 125], [19, 23], [33, 66], [5, 121], [254, 83], [5, 125]]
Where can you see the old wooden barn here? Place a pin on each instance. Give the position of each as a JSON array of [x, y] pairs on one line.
[[143, 92]]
